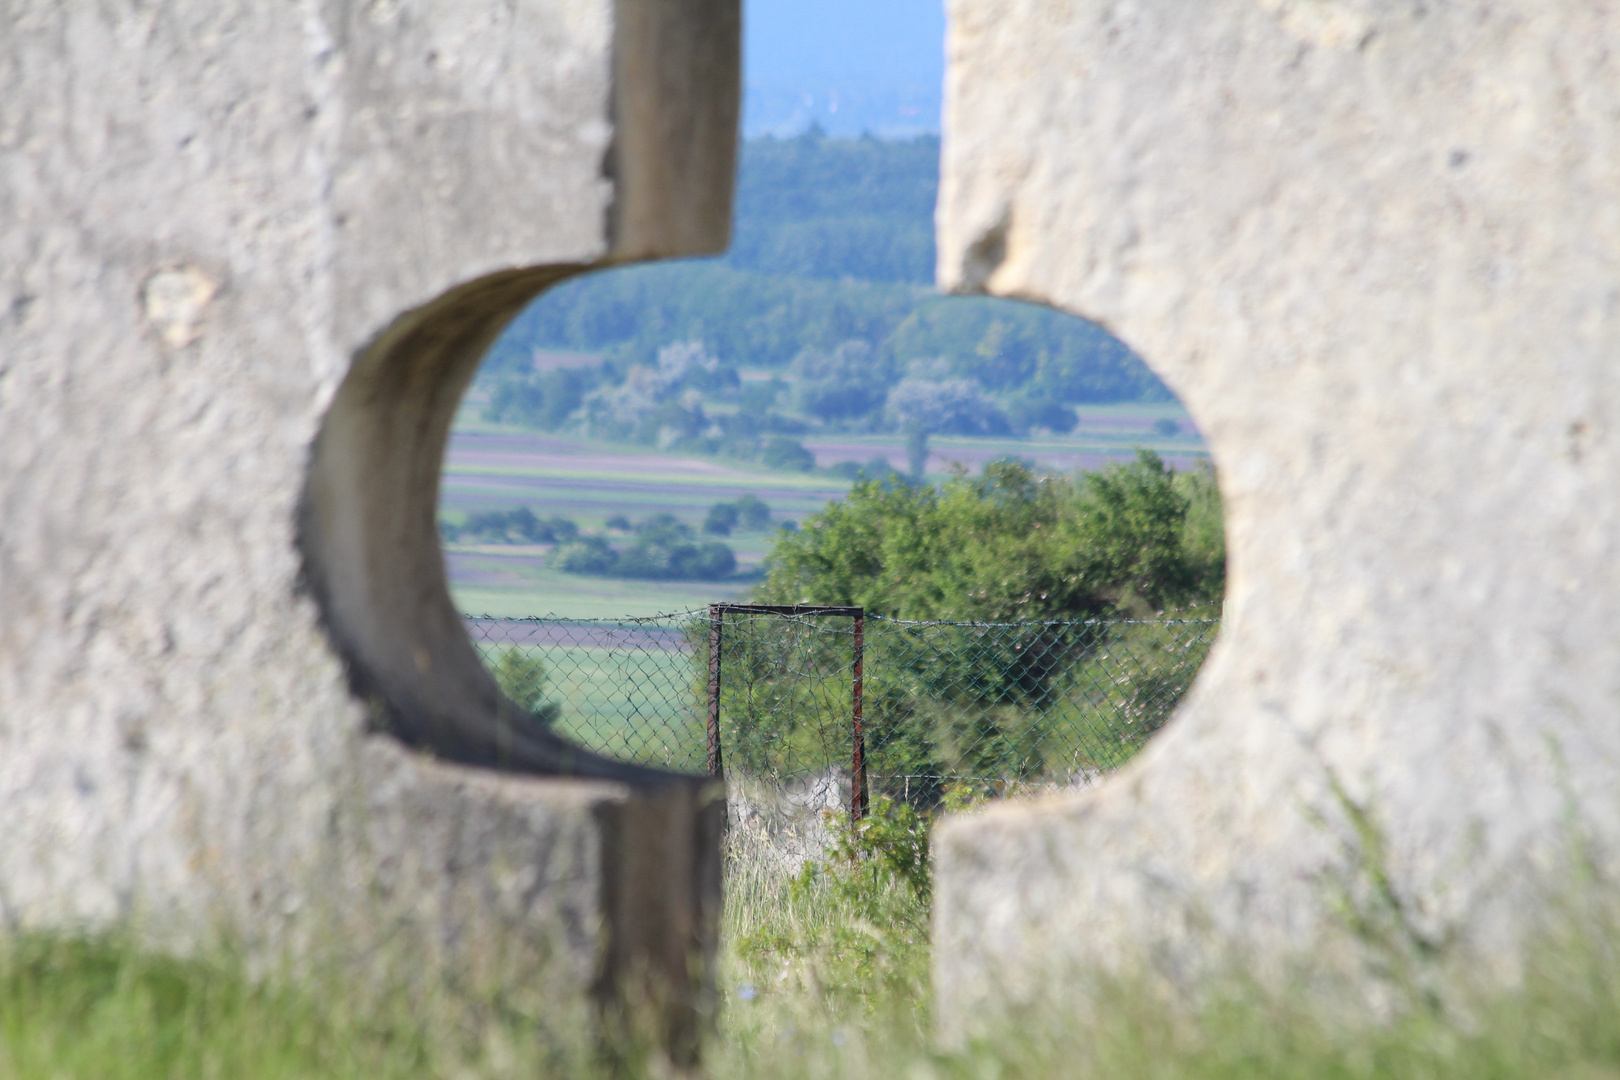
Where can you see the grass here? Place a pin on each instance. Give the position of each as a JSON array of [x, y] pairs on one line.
[[824, 976], [641, 705], [575, 596]]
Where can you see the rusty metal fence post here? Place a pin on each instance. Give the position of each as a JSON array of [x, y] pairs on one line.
[[857, 774], [716, 629], [994, 707]]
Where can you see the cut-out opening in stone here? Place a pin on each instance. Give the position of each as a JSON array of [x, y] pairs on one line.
[[371, 550], [570, 437]]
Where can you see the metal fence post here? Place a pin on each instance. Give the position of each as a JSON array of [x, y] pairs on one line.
[[716, 623], [857, 779]]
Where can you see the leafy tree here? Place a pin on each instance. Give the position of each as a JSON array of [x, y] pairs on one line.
[[916, 454], [510, 526], [946, 406], [722, 518], [752, 513], [782, 452], [1025, 413], [663, 548], [587, 555], [833, 243], [842, 383], [1008, 545], [539, 399]]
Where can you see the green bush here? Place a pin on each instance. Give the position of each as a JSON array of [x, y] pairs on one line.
[[721, 519], [782, 452], [522, 677], [587, 555]]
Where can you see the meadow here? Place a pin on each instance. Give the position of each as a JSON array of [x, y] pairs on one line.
[[499, 467]]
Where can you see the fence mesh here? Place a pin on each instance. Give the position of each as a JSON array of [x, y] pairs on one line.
[[997, 707]]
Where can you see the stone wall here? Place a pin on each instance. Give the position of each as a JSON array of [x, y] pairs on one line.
[[252, 254], [1374, 245]]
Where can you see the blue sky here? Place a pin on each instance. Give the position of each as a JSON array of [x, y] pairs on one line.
[[849, 65]]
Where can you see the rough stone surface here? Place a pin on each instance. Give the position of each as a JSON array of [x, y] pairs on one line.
[[1375, 247], [214, 214]]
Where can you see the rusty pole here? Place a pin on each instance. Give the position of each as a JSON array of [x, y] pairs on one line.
[[857, 779], [716, 621]]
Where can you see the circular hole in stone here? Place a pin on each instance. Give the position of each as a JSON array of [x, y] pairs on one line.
[[637, 439]]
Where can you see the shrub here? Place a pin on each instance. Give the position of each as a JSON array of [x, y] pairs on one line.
[[721, 520], [1026, 413], [542, 400], [522, 677], [586, 555], [782, 452], [511, 527], [752, 513]]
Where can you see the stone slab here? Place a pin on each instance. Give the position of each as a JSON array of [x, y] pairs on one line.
[[1374, 246], [216, 628]]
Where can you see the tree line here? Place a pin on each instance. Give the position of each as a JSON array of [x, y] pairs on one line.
[[828, 284]]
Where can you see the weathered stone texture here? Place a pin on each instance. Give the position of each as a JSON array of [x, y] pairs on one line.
[[1375, 247], [207, 213]]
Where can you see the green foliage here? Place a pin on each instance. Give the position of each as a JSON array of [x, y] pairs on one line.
[[1008, 545], [517, 526], [661, 548], [664, 548], [753, 514], [782, 452], [748, 513], [843, 383], [522, 677], [815, 207], [865, 940], [721, 519], [539, 399], [833, 245], [587, 555]]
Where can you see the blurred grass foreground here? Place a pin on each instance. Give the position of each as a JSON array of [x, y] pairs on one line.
[[824, 974]]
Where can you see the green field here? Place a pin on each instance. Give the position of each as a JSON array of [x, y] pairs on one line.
[[633, 704], [539, 590], [493, 467]]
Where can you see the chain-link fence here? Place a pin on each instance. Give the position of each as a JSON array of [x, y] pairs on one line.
[[811, 709]]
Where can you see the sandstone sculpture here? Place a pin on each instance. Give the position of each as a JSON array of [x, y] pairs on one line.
[[1373, 245], [251, 254]]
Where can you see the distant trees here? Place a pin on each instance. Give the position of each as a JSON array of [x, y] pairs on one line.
[[721, 519], [833, 245], [539, 399], [660, 547], [748, 513], [844, 383], [517, 526], [782, 452], [1130, 539], [944, 406]]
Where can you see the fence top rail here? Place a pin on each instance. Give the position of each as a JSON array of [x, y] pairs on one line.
[[830, 609], [618, 620], [785, 609], [819, 609], [1044, 622]]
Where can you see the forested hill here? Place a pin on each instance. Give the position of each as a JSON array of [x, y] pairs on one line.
[[833, 247], [837, 208]]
